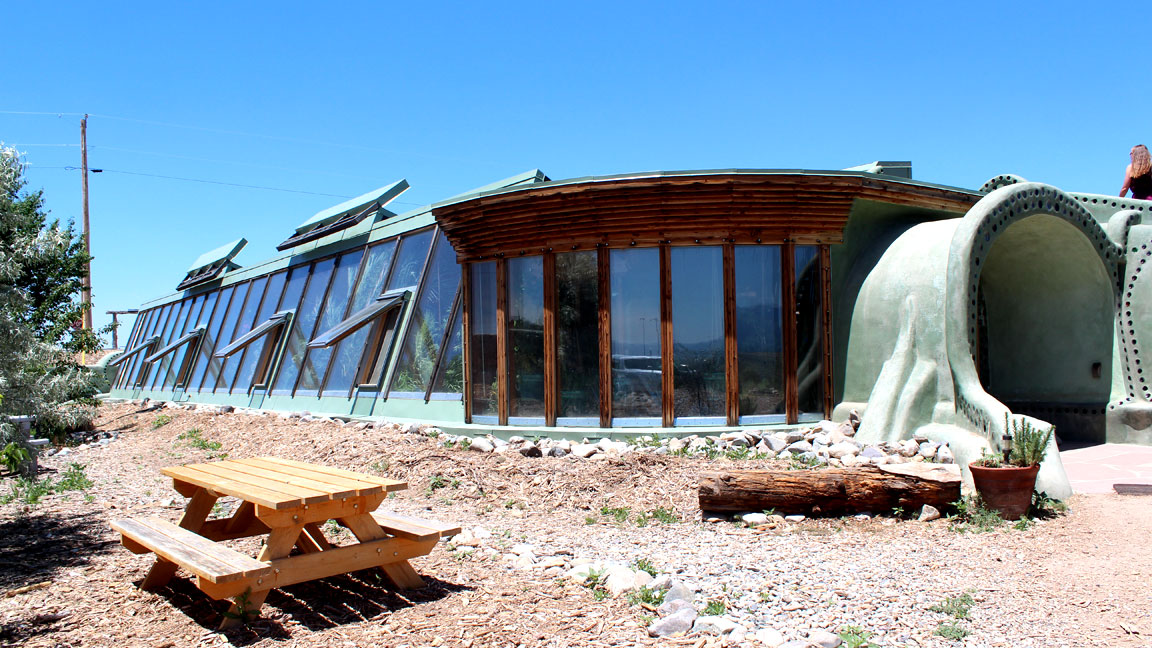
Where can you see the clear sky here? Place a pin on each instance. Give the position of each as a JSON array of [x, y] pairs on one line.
[[341, 98]]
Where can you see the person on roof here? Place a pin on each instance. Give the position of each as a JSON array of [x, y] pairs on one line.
[[1138, 175]]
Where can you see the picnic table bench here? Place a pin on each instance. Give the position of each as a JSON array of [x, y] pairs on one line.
[[287, 501]]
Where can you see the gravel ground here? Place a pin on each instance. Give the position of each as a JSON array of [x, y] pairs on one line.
[[1077, 580]]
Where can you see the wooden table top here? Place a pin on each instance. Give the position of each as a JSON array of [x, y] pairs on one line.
[[280, 484]]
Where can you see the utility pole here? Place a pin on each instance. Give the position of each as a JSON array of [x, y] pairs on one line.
[[86, 292]]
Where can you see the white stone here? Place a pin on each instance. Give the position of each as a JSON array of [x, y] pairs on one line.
[[841, 450], [480, 444], [824, 639], [661, 582], [928, 449], [770, 637], [944, 455], [714, 625], [676, 623], [909, 448], [794, 518], [619, 579], [929, 513], [584, 450], [754, 518]]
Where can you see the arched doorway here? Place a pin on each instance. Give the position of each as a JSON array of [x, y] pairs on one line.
[[1045, 326]]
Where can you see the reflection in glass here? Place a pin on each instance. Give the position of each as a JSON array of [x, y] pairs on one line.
[[211, 336], [426, 328], [125, 368], [577, 335], [636, 364], [247, 321], [246, 376], [215, 376], [450, 377], [410, 260], [335, 306], [809, 328], [526, 337], [172, 360], [303, 323], [759, 330], [351, 348], [176, 315], [698, 331], [198, 317], [145, 333], [144, 322], [482, 345]]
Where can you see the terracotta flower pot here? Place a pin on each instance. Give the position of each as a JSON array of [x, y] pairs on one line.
[[1007, 490]]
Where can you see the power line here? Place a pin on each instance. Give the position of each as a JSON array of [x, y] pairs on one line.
[[216, 182]]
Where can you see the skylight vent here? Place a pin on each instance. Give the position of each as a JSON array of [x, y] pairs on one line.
[[345, 215], [212, 264]]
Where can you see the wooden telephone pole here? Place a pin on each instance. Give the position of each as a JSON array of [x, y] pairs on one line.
[[86, 292]]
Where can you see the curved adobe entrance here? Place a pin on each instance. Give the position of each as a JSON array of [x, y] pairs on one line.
[[1045, 326], [1037, 312]]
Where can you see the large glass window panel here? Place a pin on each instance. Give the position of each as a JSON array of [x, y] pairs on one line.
[[450, 376], [126, 367], [698, 333], [247, 373], [636, 361], [199, 315], [759, 331], [335, 308], [243, 325], [526, 338], [171, 362], [152, 317], [578, 338], [155, 330], [410, 260], [303, 325], [809, 331], [211, 336], [482, 345], [429, 320], [214, 369], [168, 333], [348, 353]]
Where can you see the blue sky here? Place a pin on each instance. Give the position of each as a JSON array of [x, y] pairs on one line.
[[341, 98]]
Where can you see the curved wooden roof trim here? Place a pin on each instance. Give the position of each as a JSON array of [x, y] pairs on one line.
[[648, 210]]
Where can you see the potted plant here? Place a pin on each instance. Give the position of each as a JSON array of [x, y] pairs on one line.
[[1005, 485]]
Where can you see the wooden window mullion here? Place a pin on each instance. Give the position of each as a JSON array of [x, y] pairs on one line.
[[444, 339], [731, 368], [826, 315], [466, 336], [604, 278], [502, 390], [788, 284], [550, 382], [667, 374]]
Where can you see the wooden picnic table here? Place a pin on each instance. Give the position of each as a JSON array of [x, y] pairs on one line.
[[287, 501]]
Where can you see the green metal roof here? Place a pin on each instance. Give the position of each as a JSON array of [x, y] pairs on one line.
[[384, 195], [225, 252]]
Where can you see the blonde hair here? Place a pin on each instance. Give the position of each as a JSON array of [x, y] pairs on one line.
[[1141, 160]]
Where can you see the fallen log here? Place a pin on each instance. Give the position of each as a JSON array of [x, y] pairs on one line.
[[832, 491]]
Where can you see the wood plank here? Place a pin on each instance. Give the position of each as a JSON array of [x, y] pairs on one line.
[[1132, 489], [260, 496], [336, 487], [400, 572], [502, 341], [197, 510], [390, 485], [731, 353], [238, 475], [335, 561], [405, 529], [788, 284], [826, 329], [217, 530], [604, 295], [667, 376], [466, 336], [197, 554], [443, 529], [551, 393], [322, 512]]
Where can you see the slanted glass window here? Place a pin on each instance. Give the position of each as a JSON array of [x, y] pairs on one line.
[[526, 340], [578, 338], [131, 364], [809, 333], [699, 395], [174, 365], [760, 334], [350, 350], [247, 374], [636, 359], [263, 343], [124, 366], [137, 351], [428, 323], [450, 376], [410, 260], [482, 343], [211, 336], [303, 324], [175, 316], [335, 309], [216, 376]]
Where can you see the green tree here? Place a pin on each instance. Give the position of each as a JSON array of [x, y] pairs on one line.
[[42, 265]]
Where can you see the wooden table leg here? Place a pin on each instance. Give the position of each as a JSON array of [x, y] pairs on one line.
[[400, 572], [198, 509], [279, 545], [312, 539]]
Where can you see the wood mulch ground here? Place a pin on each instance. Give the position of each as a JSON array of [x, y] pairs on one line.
[[65, 581]]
